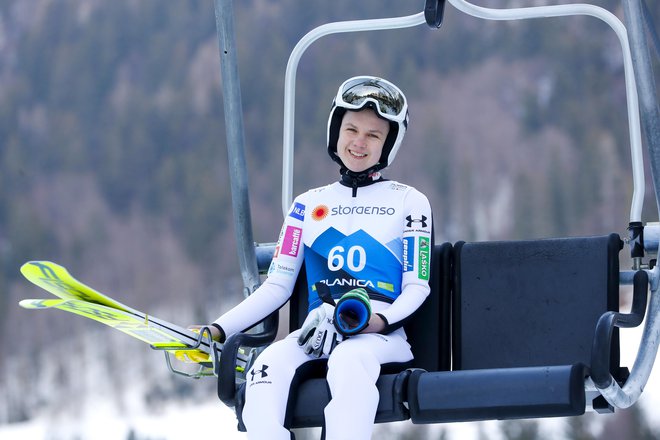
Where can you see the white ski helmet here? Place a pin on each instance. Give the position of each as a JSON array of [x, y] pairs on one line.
[[386, 99]]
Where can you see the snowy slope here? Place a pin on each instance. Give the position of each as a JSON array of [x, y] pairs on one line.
[[100, 414]]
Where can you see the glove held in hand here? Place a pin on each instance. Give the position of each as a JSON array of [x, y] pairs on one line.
[[318, 335], [352, 312]]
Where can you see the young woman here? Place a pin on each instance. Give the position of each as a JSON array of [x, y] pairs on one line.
[[364, 239]]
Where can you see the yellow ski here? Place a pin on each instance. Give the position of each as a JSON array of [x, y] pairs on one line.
[[76, 297], [58, 281], [126, 322]]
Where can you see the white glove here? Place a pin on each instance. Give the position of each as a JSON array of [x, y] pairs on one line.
[[318, 335]]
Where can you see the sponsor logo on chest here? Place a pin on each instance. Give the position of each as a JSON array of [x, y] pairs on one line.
[[321, 212]]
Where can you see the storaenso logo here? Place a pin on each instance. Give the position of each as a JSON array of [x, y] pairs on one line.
[[424, 250], [366, 210]]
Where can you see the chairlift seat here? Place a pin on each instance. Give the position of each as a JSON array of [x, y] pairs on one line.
[[523, 319]]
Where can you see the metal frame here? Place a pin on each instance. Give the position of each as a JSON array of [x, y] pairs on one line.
[[231, 90], [479, 12], [635, 13]]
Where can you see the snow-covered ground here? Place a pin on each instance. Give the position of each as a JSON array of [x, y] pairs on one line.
[[207, 420]]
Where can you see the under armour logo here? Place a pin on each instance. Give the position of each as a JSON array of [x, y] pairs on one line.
[[416, 220], [262, 372]]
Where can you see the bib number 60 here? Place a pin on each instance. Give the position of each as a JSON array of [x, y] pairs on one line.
[[355, 258]]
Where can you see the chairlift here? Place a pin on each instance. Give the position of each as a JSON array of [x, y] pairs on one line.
[[511, 329]]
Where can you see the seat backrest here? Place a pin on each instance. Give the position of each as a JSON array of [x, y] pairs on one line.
[[532, 303], [429, 330]]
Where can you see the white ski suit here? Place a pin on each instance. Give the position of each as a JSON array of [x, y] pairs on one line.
[[377, 237]]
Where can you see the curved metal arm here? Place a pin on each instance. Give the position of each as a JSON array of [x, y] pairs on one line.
[[602, 346], [204, 337], [225, 366], [626, 396], [631, 88], [290, 82]]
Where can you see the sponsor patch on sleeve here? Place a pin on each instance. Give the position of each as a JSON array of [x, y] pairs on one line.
[[291, 241], [282, 269], [408, 254], [424, 258], [298, 211]]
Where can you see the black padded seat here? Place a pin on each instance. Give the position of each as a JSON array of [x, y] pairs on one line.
[[532, 303], [524, 319]]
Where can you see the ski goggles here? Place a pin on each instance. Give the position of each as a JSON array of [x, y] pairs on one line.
[[388, 100]]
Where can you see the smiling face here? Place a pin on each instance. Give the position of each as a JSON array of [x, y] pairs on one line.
[[361, 138]]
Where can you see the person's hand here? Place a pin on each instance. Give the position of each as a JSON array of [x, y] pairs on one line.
[[318, 335]]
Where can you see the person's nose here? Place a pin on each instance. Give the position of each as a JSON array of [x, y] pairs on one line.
[[360, 141]]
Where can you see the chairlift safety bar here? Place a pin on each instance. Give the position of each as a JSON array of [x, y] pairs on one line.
[[626, 396], [479, 12]]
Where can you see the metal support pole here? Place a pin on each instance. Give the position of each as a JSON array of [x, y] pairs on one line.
[[646, 90], [231, 89]]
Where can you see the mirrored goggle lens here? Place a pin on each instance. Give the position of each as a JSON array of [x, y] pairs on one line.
[[389, 100]]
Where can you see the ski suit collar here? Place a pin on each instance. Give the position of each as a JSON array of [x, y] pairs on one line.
[[355, 180]]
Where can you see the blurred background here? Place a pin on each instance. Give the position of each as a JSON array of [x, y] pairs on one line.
[[113, 163]]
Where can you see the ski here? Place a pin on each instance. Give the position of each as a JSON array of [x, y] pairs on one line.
[[58, 281], [126, 322], [81, 299]]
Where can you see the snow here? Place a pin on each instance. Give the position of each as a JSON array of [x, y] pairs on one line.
[[176, 421], [97, 415]]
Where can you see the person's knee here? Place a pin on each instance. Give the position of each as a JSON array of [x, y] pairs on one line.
[[352, 360]]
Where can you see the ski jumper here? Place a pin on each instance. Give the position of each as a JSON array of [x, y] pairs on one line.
[[377, 237]]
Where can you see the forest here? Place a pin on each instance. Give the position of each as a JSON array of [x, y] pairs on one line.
[[113, 162]]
